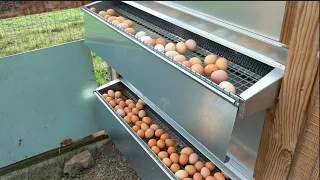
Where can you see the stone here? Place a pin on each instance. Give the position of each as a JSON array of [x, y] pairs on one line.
[[78, 162]]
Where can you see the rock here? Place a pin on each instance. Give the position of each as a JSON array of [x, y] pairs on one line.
[[78, 162]]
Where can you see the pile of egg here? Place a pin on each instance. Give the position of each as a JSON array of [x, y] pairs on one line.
[[214, 67], [186, 164]]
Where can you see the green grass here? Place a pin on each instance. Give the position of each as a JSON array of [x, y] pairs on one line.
[[26, 33]]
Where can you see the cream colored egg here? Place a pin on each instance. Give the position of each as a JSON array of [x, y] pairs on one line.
[[180, 58], [181, 174], [181, 47], [172, 54], [170, 47], [228, 86]]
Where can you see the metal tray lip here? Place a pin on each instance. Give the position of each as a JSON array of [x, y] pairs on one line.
[[230, 97], [130, 131]]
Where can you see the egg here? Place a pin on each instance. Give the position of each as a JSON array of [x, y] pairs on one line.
[[112, 18], [170, 47], [210, 68], [210, 59], [152, 142], [181, 47], [174, 157], [168, 142], [127, 119], [118, 100], [130, 114], [139, 106], [197, 68], [129, 22], [112, 103], [128, 101], [197, 176], [93, 9], [138, 123], [228, 86], [107, 16], [155, 149], [110, 93], [164, 136], [135, 110], [181, 174], [149, 133], [219, 176], [116, 22], [199, 165], [191, 170], [224, 174], [186, 150], [159, 47], [102, 13], [193, 158], [108, 99], [158, 132], [195, 60], [142, 114], [210, 178], [171, 150], [219, 76], [122, 104], [120, 19], [183, 159], [140, 34], [131, 105], [210, 165], [187, 64], [163, 154], [145, 39], [167, 162], [188, 178], [131, 31], [105, 95], [141, 102], [205, 172], [161, 144], [174, 167], [134, 118], [172, 54], [161, 41], [141, 133], [147, 120], [123, 25], [111, 12], [180, 58], [118, 107], [191, 45], [154, 127], [136, 128], [151, 42], [222, 63], [144, 126]]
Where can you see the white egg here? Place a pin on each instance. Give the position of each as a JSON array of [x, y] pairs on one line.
[[159, 47], [140, 34], [145, 39]]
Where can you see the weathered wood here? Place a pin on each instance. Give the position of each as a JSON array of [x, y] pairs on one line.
[[281, 131], [9, 9], [288, 21]]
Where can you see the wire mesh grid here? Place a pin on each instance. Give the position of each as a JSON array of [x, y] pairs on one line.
[[240, 77], [25, 33]]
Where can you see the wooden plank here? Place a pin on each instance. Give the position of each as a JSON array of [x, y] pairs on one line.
[[283, 122], [288, 21], [9, 9]]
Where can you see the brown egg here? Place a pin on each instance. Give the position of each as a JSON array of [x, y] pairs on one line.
[[199, 165], [205, 172], [167, 162], [164, 136], [158, 132], [121, 112], [120, 19], [139, 106], [187, 150], [225, 175], [181, 47], [161, 144], [142, 114], [117, 94], [219, 76], [136, 128], [135, 110], [112, 103], [174, 167], [155, 149], [134, 119], [110, 93], [131, 31], [128, 101], [127, 119], [197, 176], [161, 41], [138, 123], [127, 110], [116, 22], [210, 165], [191, 45], [93, 9], [112, 18], [147, 120], [105, 95], [129, 22], [123, 25], [154, 127], [193, 158], [170, 47], [151, 42], [141, 133], [130, 114], [191, 170], [163, 154], [219, 176], [187, 178], [107, 16], [118, 107], [102, 13], [209, 69], [195, 60], [108, 99], [180, 58], [197, 68], [181, 174], [187, 63], [149, 133], [174, 157], [144, 126], [210, 59], [152, 142], [210, 178], [118, 100], [169, 142], [141, 101], [171, 150], [222, 63], [122, 104], [131, 105], [183, 159], [111, 12], [228, 86]]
